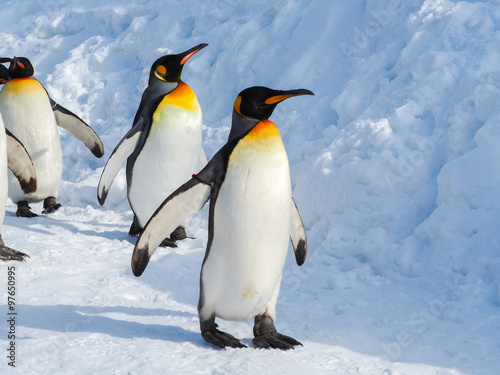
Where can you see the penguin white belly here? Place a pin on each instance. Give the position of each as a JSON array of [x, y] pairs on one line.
[[252, 218], [28, 115], [3, 172], [169, 157]]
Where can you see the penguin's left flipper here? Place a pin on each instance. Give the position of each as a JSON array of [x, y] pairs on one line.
[[298, 236], [20, 163], [181, 204], [121, 152], [6, 253], [78, 128]]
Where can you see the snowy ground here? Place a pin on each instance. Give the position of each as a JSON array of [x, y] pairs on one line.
[[395, 168]]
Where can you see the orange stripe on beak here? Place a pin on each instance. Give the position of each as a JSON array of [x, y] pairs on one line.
[[277, 99], [186, 58]]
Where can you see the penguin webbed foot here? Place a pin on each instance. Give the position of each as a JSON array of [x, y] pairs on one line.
[[221, 339], [6, 253], [266, 336], [50, 205], [168, 242], [178, 234], [275, 340], [24, 210]]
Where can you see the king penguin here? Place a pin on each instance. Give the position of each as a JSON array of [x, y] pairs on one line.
[[33, 117], [252, 215], [163, 148], [14, 156]]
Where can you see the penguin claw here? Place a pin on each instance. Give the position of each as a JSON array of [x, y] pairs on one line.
[[7, 253], [275, 340], [50, 205], [221, 339], [24, 210], [167, 242]]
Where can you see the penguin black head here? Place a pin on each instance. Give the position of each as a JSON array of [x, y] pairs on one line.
[[4, 74], [168, 68], [20, 67], [255, 104], [259, 102]]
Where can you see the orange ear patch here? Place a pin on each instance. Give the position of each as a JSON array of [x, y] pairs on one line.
[[237, 104], [161, 72]]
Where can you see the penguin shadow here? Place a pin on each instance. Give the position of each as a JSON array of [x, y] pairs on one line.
[[53, 219], [89, 319]]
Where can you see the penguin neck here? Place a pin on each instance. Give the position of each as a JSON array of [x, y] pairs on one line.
[[157, 87], [241, 125]]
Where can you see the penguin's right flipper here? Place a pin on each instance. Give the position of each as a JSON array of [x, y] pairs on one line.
[[298, 236], [181, 204], [78, 128], [121, 152], [20, 163]]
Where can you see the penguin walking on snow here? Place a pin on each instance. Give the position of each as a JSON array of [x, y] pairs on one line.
[[14, 156], [30, 114], [252, 216], [163, 148]]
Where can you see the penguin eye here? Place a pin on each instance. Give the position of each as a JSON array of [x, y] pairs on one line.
[[161, 72]]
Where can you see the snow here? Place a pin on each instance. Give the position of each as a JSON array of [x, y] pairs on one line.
[[394, 167]]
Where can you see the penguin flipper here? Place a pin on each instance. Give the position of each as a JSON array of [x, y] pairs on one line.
[[181, 204], [298, 236], [20, 163], [78, 128], [121, 152]]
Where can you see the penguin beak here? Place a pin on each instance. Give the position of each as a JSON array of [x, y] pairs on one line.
[[5, 60], [15, 61], [283, 95], [189, 53]]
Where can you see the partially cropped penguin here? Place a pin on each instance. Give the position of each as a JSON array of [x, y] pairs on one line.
[[14, 156], [163, 148], [252, 216], [31, 115]]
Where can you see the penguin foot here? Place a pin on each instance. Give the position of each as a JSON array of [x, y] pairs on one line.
[[178, 234], [168, 242], [275, 340], [7, 253], [50, 205], [24, 210], [221, 339], [135, 228], [265, 335]]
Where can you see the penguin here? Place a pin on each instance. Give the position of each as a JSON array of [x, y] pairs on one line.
[[30, 113], [163, 148], [252, 214], [14, 156]]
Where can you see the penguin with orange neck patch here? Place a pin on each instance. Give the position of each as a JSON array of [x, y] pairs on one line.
[[14, 156], [163, 148], [252, 217], [31, 115]]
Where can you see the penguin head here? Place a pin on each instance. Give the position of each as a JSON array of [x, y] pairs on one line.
[[259, 102], [20, 67], [168, 68], [4, 74], [255, 104]]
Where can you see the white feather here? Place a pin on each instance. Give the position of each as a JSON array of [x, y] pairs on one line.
[[169, 157], [252, 221], [29, 116]]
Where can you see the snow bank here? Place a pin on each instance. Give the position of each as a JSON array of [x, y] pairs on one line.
[[394, 166]]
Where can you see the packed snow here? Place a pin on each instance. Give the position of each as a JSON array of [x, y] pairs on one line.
[[395, 170]]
